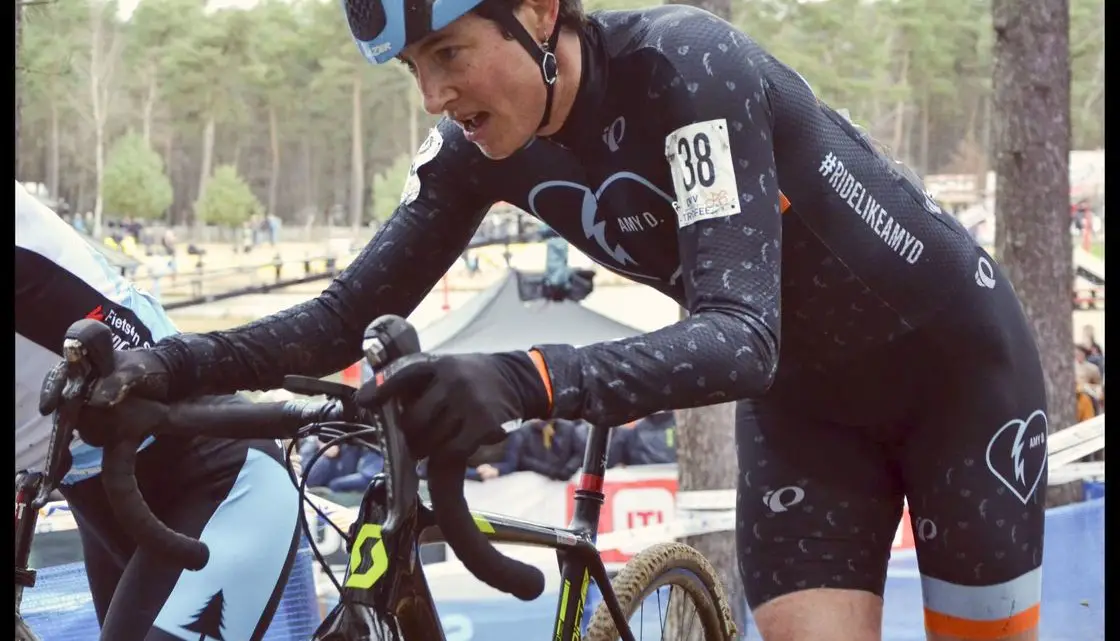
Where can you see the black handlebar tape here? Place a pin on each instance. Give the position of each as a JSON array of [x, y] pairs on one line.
[[118, 475], [235, 419], [445, 487], [224, 418], [397, 338]]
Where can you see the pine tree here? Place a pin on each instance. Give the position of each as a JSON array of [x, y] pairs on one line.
[[208, 622]]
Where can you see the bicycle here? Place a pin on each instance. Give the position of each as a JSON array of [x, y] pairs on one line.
[[384, 590]]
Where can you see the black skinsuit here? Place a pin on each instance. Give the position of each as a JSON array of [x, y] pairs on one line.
[[883, 351]]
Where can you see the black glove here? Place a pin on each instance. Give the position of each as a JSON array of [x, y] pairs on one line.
[[100, 420], [135, 371], [139, 370], [452, 405]]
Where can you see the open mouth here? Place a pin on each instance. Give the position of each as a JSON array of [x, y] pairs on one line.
[[473, 124]]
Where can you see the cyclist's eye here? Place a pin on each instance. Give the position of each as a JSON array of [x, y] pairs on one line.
[[447, 54], [407, 65]]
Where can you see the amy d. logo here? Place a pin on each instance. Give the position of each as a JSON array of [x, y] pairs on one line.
[[1017, 454]]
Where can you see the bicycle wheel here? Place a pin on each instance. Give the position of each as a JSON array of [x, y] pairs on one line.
[[677, 569]]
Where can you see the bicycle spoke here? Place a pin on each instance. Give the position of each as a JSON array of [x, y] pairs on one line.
[[660, 617], [688, 634]]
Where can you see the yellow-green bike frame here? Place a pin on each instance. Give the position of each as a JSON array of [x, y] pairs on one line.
[[385, 573]]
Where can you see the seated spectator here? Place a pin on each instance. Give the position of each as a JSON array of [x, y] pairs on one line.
[[1088, 378], [644, 442], [336, 462], [369, 465], [492, 461], [1096, 352], [551, 448]]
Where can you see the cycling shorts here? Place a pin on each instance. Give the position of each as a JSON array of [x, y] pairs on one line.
[[951, 417], [237, 497]]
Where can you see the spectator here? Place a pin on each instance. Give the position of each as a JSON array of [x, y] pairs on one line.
[[336, 462], [248, 237], [273, 221], [470, 262], [1088, 377], [369, 465], [551, 448], [167, 241], [492, 461], [646, 441], [1096, 352]]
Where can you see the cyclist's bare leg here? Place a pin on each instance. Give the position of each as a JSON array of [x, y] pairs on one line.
[[822, 614]]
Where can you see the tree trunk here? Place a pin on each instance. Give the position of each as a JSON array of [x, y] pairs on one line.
[[150, 105], [177, 214], [923, 147], [340, 180], [985, 145], [357, 162], [1031, 79], [208, 132], [53, 153], [900, 108], [706, 461], [308, 175], [274, 176], [98, 117], [19, 74], [99, 174], [101, 60]]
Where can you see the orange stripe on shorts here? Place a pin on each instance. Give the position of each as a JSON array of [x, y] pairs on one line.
[[951, 626]]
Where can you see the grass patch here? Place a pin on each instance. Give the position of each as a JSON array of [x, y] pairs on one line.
[[1097, 249]]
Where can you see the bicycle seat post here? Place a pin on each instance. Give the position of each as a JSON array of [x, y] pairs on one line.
[[589, 493]]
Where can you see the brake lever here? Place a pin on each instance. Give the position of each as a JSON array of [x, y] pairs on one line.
[[311, 386], [87, 350]]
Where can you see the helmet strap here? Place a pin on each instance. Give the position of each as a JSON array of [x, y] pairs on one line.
[[543, 53]]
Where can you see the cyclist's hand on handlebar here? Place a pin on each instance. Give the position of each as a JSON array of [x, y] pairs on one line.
[[134, 417], [136, 371], [452, 405]]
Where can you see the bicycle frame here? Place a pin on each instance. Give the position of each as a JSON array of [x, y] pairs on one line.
[[385, 573], [26, 516]]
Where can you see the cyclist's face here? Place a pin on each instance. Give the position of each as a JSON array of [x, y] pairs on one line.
[[487, 83]]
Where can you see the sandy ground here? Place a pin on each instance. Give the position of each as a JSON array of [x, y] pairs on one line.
[[225, 269], [634, 305]]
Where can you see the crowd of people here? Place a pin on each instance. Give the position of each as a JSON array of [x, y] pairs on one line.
[[1089, 375], [554, 449]]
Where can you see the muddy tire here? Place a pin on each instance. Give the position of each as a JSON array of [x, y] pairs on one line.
[[668, 564]]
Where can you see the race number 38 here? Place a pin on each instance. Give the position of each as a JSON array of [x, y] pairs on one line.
[[699, 156]]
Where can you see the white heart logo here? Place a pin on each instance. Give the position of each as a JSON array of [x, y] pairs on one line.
[[1019, 449], [596, 229]]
